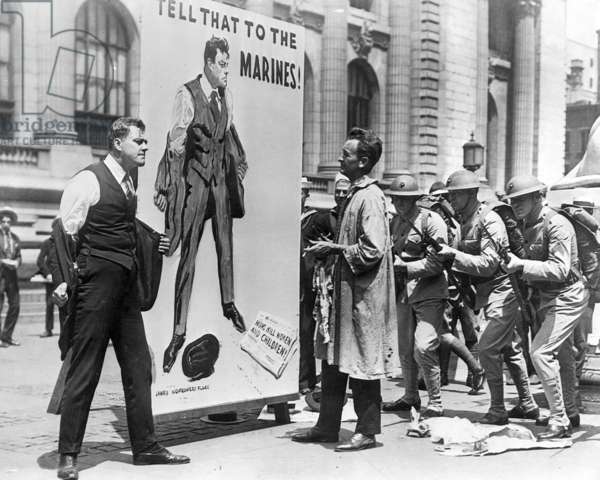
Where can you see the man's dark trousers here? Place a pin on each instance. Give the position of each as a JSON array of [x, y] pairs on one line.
[[107, 307], [49, 307], [366, 395], [9, 286], [308, 373]]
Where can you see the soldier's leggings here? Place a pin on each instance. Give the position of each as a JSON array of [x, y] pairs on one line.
[[552, 350]]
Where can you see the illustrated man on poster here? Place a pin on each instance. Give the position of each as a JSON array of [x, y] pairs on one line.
[[199, 178]]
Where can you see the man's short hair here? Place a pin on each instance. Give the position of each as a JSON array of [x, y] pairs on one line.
[[120, 128], [369, 145], [214, 44]]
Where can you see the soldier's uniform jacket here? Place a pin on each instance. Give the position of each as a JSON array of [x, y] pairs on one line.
[[551, 248], [425, 271], [478, 253]]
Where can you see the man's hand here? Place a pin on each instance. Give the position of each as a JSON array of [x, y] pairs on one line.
[[242, 169], [49, 278], [164, 244], [399, 264], [160, 200], [515, 264], [59, 295], [446, 252], [321, 248], [11, 264]]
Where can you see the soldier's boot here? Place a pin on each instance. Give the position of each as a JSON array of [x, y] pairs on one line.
[[497, 414], [526, 408], [432, 382]]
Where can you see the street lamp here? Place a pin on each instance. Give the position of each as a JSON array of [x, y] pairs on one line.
[[472, 154]]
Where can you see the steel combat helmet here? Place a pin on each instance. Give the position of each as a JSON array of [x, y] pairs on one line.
[[405, 186], [462, 180], [523, 185]]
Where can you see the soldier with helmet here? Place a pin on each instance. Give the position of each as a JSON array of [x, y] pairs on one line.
[[483, 233], [551, 268], [421, 294], [456, 308]]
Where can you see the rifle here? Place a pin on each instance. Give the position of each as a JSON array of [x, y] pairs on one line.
[[515, 283], [465, 291]]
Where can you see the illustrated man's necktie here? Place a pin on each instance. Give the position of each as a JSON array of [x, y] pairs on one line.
[[214, 103]]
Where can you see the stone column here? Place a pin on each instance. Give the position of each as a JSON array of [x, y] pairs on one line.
[[598, 69], [397, 118], [264, 7], [334, 84], [524, 88], [482, 80]]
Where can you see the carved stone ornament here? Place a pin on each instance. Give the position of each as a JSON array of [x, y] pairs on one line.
[[528, 7], [364, 43]]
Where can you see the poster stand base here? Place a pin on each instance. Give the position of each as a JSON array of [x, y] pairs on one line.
[[279, 402]]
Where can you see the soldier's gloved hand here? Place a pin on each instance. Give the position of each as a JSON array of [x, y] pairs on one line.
[[60, 295], [160, 200], [164, 244], [515, 264]]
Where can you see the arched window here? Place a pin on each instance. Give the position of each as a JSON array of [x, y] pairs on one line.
[[359, 96], [101, 71], [6, 97]]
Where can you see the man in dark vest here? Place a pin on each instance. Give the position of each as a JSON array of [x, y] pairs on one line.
[[194, 183], [98, 206]]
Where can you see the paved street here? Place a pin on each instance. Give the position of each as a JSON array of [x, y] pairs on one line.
[[253, 449]]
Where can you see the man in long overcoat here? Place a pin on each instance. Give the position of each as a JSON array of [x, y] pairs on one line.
[[362, 329]]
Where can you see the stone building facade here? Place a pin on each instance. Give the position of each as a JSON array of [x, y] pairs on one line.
[[424, 74]]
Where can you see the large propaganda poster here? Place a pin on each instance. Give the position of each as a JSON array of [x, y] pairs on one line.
[[221, 93]]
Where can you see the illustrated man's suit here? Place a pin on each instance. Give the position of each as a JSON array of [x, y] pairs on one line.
[[201, 182]]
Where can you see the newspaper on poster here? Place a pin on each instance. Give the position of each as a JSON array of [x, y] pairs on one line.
[[271, 342]]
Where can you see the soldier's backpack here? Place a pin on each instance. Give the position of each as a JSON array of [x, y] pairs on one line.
[[588, 246], [516, 239]]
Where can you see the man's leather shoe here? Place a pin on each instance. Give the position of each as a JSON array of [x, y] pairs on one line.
[[554, 431], [358, 441], [477, 380], [233, 314], [400, 405], [574, 419], [67, 467], [519, 412], [171, 352], [12, 342], [159, 456], [314, 436], [494, 419], [46, 334]]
